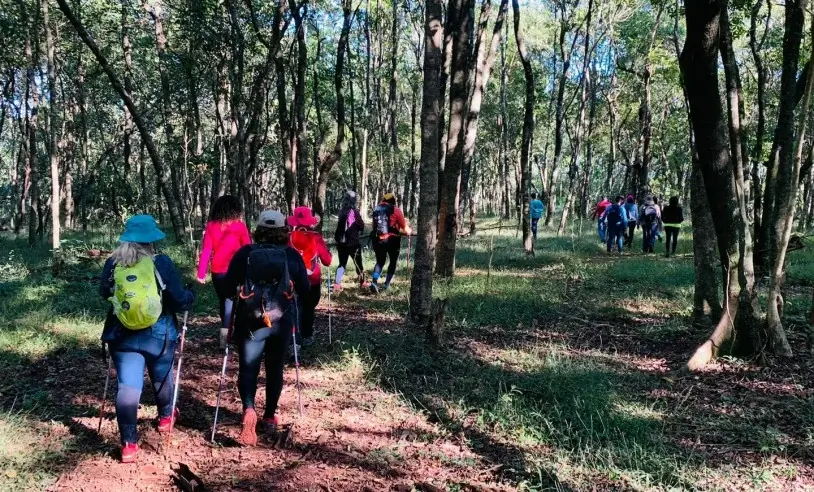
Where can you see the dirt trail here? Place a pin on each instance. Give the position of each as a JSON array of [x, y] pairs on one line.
[[352, 437]]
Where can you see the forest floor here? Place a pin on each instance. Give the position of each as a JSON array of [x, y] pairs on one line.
[[559, 372]]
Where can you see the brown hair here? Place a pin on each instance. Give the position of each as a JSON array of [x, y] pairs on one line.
[[269, 235]]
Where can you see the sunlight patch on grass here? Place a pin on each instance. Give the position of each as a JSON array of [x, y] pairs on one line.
[[28, 450]]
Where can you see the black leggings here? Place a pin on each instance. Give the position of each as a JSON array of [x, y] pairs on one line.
[[308, 305], [672, 239], [225, 293], [390, 248], [273, 342], [354, 252], [631, 228]]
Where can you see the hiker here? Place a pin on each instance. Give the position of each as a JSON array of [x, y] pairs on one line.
[[141, 328], [597, 216], [632, 219], [225, 233], [616, 222], [269, 274], [310, 245], [389, 225], [349, 227], [650, 217], [672, 216], [537, 209]]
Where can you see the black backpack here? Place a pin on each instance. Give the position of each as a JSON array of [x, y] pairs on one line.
[[267, 291], [381, 218], [614, 215]]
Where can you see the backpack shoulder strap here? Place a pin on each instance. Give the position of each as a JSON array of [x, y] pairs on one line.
[[161, 285]]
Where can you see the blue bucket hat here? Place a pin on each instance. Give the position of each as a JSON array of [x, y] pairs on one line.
[[141, 229]]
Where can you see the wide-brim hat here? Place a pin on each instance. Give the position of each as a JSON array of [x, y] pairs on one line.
[[302, 217], [271, 219], [141, 229]]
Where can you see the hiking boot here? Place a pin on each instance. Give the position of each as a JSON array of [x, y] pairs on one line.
[[270, 425], [374, 288], [385, 286], [307, 341], [164, 423], [129, 452], [248, 433]]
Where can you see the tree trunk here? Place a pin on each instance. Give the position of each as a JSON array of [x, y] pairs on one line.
[[299, 124], [788, 173], [503, 157], [53, 150], [460, 21], [421, 283], [703, 245], [159, 165], [528, 127], [330, 160], [760, 132], [699, 66]]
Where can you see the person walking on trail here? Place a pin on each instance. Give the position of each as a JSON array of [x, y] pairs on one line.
[[672, 216], [650, 217], [349, 226], [597, 216], [225, 233], [616, 220], [632, 219], [537, 210], [310, 245], [146, 292], [273, 280], [389, 225]]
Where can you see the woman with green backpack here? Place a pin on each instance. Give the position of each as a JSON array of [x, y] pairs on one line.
[[146, 292]]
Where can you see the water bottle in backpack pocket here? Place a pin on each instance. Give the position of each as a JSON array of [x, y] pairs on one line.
[[267, 290]]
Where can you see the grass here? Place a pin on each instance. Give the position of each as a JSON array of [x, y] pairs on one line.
[[555, 368]]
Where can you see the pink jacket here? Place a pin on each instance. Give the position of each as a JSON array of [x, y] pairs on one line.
[[224, 239]]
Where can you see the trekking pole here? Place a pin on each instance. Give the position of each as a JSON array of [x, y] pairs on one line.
[[104, 393], [223, 369], [177, 377], [296, 356], [330, 309]]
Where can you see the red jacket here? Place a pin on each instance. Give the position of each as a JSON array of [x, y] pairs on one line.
[[600, 208], [312, 248]]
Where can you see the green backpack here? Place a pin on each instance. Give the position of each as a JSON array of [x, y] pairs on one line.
[[137, 293]]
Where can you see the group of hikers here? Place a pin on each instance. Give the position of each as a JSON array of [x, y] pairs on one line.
[[268, 286], [617, 222]]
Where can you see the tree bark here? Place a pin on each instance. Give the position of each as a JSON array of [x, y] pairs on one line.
[[53, 151], [460, 21], [159, 165], [528, 127], [760, 132], [699, 66], [422, 278]]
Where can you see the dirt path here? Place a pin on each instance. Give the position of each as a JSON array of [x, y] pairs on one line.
[[352, 437]]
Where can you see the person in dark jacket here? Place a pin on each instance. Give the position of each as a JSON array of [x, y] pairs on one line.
[[273, 341], [672, 216], [349, 227], [154, 346]]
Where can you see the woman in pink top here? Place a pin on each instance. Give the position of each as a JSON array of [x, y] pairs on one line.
[[225, 234]]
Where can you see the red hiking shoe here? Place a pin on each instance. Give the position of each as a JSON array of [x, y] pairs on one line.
[[270, 425], [129, 452], [165, 423], [248, 434]]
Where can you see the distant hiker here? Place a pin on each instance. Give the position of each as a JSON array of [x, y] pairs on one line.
[[672, 216], [310, 245], [349, 227], [537, 210], [388, 226], [632, 219], [146, 291], [269, 274], [616, 220], [225, 233], [597, 216], [650, 219]]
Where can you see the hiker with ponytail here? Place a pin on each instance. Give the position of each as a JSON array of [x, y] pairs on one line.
[[146, 292], [225, 233]]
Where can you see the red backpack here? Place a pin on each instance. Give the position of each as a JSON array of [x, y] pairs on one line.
[[304, 244]]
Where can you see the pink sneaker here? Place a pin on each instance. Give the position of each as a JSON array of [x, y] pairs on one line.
[[165, 423], [129, 452], [248, 434], [337, 288], [270, 425]]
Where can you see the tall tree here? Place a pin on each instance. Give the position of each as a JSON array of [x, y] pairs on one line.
[[53, 129], [528, 127], [422, 279]]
